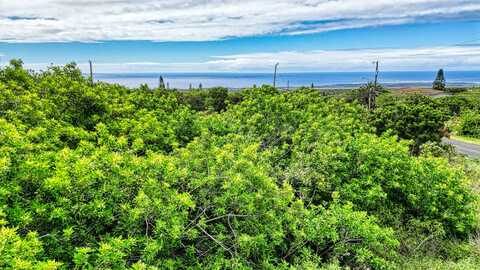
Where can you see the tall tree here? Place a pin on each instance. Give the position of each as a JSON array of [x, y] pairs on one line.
[[161, 83], [439, 83]]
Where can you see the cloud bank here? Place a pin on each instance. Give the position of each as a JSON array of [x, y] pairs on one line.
[[200, 20], [451, 58]]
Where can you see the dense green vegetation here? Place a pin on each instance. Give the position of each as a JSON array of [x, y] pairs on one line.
[[418, 118], [470, 124], [439, 83], [104, 177], [463, 110]]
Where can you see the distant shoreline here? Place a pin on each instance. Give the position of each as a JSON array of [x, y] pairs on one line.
[[320, 80]]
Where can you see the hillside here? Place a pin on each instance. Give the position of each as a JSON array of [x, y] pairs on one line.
[[99, 176]]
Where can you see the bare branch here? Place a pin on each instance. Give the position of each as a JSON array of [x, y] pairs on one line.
[[234, 234], [224, 216], [293, 248], [43, 236], [215, 240]]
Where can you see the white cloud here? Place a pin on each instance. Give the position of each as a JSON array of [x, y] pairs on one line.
[[195, 20], [416, 59]]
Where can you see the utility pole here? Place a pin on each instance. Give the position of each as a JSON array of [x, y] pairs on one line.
[[373, 92], [376, 74], [288, 85], [91, 71], [275, 75]]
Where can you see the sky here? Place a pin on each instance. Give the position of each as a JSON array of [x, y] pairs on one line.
[[242, 36]]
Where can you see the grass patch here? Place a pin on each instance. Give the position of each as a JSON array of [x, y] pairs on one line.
[[473, 92], [465, 139]]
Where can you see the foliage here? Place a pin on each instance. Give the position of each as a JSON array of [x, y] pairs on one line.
[[212, 99], [463, 113], [469, 124], [417, 118], [455, 105], [22, 252], [439, 83], [456, 89], [161, 83], [105, 177], [361, 95], [438, 150]]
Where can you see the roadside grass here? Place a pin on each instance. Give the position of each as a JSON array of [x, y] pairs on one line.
[[465, 139], [439, 264], [473, 92]]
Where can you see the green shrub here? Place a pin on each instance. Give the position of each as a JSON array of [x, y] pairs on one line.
[[470, 124], [213, 99], [455, 105], [104, 177], [456, 89], [417, 118], [18, 252], [216, 98]]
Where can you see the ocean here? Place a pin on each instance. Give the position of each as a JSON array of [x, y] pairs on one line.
[[284, 80]]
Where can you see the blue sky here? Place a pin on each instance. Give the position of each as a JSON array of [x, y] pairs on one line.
[[226, 36]]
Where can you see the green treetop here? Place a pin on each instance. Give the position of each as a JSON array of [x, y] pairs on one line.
[[439, 83]]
